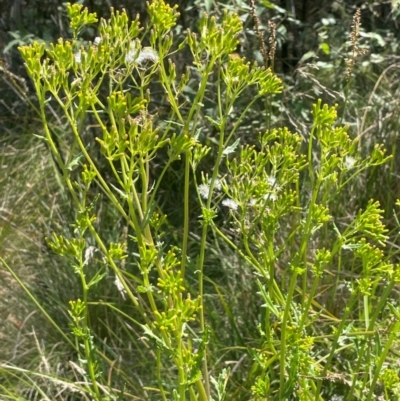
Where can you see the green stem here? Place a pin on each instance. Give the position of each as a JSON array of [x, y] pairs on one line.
[[306, 309], [186, 218], [195, 109], [159, 380], [338, 333], [377, 311], [282, 365], [200, 265], [86, 335], [300, 258], [382, 359]]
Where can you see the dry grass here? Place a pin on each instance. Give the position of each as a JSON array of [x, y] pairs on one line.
[[29, 200]]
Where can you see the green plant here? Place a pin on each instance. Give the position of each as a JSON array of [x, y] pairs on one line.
[[129, 143], [275, 198]]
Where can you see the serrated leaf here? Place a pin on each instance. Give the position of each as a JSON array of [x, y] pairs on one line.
[[214, 382], [74, 162], [231, 148], [150, 334]]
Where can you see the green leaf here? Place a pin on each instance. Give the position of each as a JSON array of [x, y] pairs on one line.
[[122, 193], [307, 56], [74, 162], [267, 3], [351, 246], [374, 35], [11, 44], [325, 48], [41, 137], [268, 301], [216, 124], [231, 148], [147, 216], [150, 334], [97, 277], [207, 5], [394, 310], [328, 21]]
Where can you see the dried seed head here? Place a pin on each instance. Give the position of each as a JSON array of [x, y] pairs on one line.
[[355, 28], [354, 35], [272, 40], [230, 203], [263, 48], [204, 190]]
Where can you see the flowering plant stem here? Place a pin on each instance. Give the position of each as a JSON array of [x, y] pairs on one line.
[[275, 201]]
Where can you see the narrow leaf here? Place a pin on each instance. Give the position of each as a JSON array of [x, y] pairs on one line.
[[231, 148]]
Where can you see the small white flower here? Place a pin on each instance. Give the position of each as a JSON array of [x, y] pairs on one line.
[[272, 197], [147, 54], [78, 56], [140, 56], [204, 190], [217, 184], [274, 184], [130, 56], [349, 162], [120, 287], [76, 81], [230, 203], [271, 181], [97, 40]]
